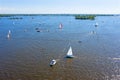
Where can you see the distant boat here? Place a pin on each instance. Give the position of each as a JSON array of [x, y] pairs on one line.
[[69, 53], [96, 24], [8, 36], [60, 26], [53, 62], [9, 33]]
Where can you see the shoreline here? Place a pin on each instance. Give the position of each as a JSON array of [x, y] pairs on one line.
[[9, 15]]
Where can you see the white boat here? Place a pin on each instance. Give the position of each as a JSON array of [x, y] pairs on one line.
[[69, 53], [8, 36], [60, 26], [9, 33], [96, 24], [53, 62]]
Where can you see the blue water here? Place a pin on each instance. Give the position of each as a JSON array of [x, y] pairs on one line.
[[27, 53]]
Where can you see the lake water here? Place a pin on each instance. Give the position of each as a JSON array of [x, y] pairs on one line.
[[27, 53]]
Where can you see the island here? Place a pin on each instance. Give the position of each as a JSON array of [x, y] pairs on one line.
[[85, 17]]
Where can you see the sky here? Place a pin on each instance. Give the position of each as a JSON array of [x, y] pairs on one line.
[[59, 6]]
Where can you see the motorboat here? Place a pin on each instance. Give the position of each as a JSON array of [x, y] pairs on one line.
[[53, 62]]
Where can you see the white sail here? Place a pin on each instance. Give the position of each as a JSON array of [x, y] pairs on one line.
[[69, 53], [9, 32], [60, 26], [96, 24], [8, 36]]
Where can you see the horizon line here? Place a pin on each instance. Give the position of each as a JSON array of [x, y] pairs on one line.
[[63, 13]]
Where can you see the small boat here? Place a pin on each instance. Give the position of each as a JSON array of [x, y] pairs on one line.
[[53, 62], [96, 24], [38, 30], [9, 33], [69, 53], [60, 26], [8, 36]]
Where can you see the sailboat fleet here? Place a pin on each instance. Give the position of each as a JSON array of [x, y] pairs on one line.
[[53, 62], [68, 55]]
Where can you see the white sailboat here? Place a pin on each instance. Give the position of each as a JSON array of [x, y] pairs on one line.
[[96, 24], [60, 26], [8, 36], [69, 53], [9, 33]]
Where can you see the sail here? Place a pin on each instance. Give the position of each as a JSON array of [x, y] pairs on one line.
[[96, 24], [9, 32], [8, 36], [60, 26], [69, 51]]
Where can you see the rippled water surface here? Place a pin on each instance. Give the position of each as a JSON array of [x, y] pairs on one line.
[[27, 53]]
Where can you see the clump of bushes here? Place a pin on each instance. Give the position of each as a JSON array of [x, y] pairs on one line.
[[85, 17], [15, 18]]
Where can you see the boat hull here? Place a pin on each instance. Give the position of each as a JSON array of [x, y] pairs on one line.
[[71, 56]]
